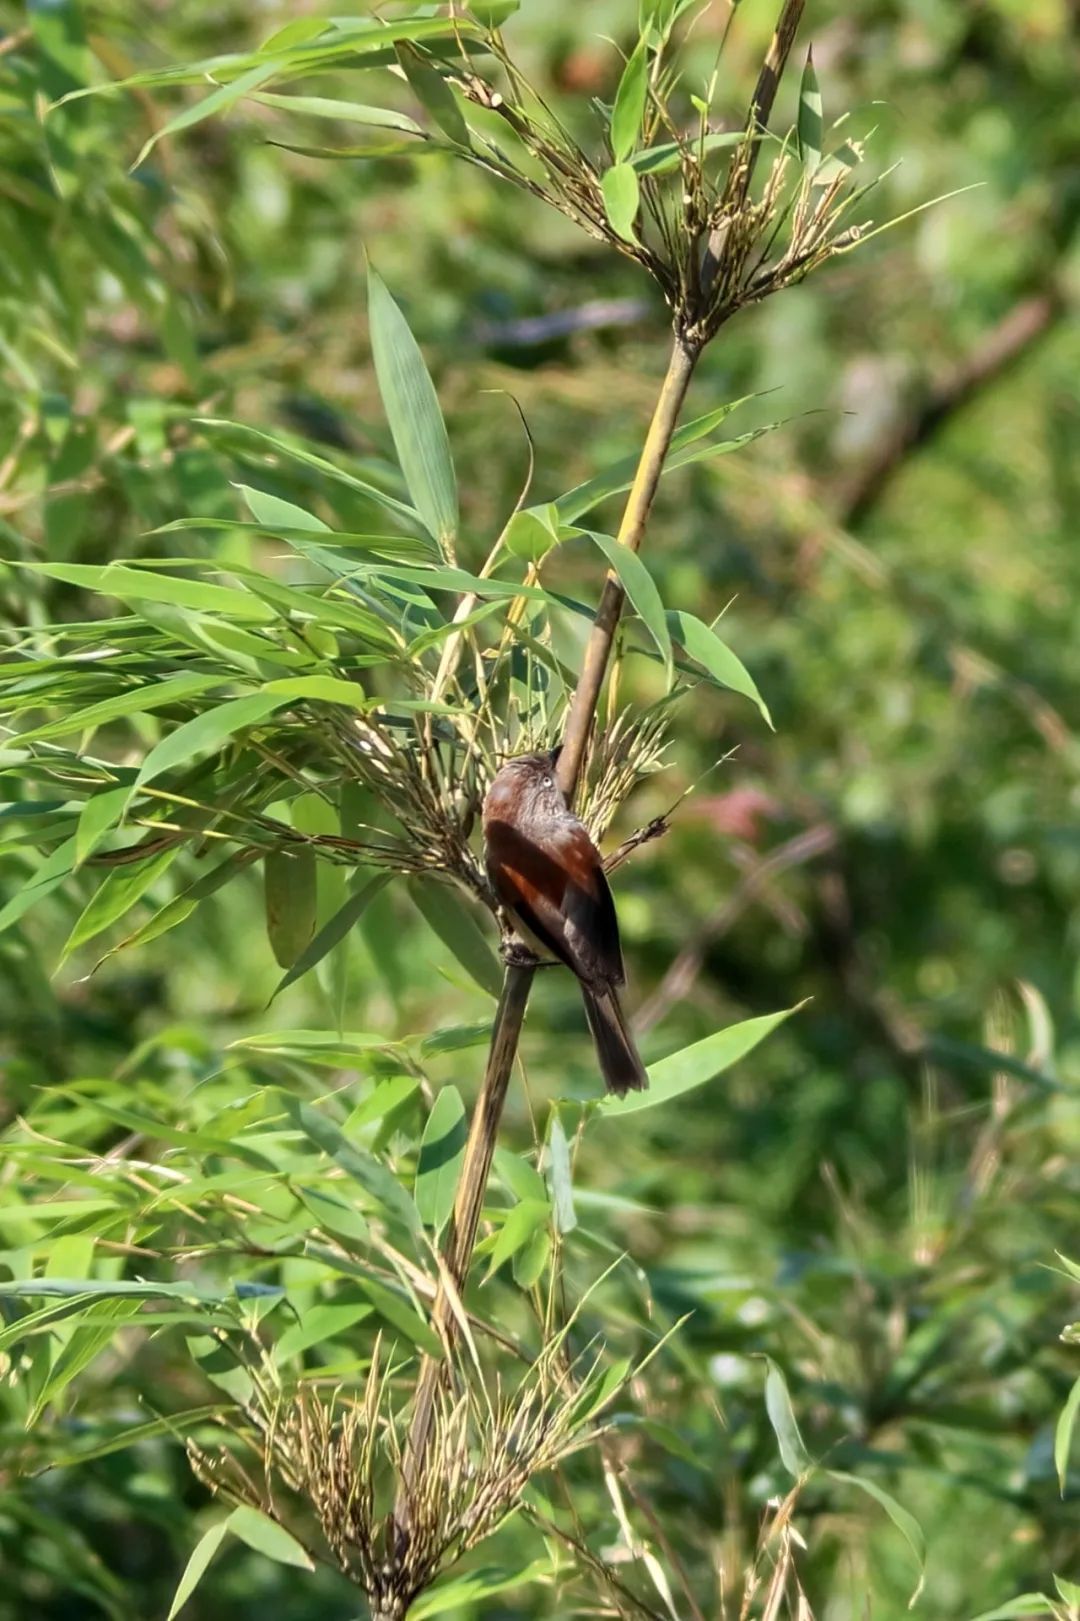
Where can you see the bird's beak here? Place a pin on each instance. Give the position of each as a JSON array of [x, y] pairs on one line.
[[554, 753]]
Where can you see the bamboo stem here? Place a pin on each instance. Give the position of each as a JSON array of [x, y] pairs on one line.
[[517, 983]]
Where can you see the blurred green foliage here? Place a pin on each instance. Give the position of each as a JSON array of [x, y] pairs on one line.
[[873, 1199]]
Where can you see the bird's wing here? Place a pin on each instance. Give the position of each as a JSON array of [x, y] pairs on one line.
[[558, 890]]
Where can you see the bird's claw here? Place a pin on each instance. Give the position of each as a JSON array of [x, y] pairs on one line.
[[516, 954]]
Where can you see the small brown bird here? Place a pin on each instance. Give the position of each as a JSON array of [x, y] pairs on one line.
[[547, 872]]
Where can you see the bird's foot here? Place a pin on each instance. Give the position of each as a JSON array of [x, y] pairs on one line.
[[516, 954]]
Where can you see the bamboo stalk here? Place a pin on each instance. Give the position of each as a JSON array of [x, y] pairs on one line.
[[517, 983]]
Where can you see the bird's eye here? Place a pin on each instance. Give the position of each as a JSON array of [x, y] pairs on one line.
[[549, 782]]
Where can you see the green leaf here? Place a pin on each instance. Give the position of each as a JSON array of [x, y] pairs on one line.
[[1063, 1434], [443, 910], [532, 532], [795, 1457], [702, 644], [141, 700], [810, 120], [379, 1183], [207, 732], [412, 410], [517, 1229], [290, 890], [463, 1592], [52, 872], [615, 479], [318, 1325], [530, 1261], [622, 197], [442, 1151], [629, 108], [696, 1064], [905, 1522], [153, 585], [263, 1534], [197, 1566], [344, 112], [1027, 1604], [640, 587], [435, 96], [271, 512], [115, 896], [559, 1176], [523, 1180], [298, 452], [98, 816], [334, 930], [666, 158], [387, 1096], [218, 101]]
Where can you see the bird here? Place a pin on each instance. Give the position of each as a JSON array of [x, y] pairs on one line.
[[548, 874]]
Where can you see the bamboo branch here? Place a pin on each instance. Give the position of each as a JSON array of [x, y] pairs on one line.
[[510, 1014]]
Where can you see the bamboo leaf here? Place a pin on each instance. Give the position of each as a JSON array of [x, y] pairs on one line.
[[793, 1452], [379, 1183], [904, 1521], [290, 892], [696, 1064], [702, 643], [640, 587], [622, 198], [629, 108], [517, 1229], [412, 410], [116, 895], [559, 1176], [336, 929], [218, 101], [810, 118], [343, 112], [263, 1534], [444, 912], [1063, 1435], [207, 732], [197, 1566], [442, 1150]]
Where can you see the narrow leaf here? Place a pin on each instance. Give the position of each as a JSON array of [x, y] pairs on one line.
[[344, 112], [197, 1566], [517, 1229], [701, 643], [335, 930], [1063, 1434], [622, 196], [559, 1176], [629, 108], [640, 587], [444, 912], [810, 120], [379, 1183], [442, 1150], [263, 1534], [412, 410], [695, 1065], [290, 888], [905, 1522], [207, 732], [793, 1452]]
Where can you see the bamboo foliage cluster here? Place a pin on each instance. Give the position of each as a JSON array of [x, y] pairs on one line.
[[346, 703]]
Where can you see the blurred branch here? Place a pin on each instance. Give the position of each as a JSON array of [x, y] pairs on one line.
[[592, 316], [680, 977], [1024, 325]]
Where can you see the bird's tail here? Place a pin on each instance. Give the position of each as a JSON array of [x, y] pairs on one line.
[[620, 1064]]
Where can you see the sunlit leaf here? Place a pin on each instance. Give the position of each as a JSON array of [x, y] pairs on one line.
[[629, 108], [412, 410], [795, 1457], [694, 1065]]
